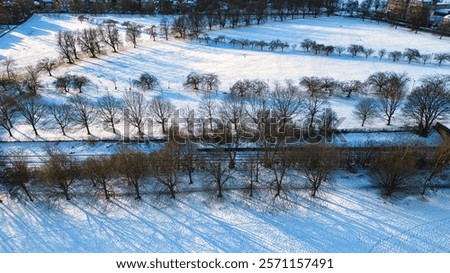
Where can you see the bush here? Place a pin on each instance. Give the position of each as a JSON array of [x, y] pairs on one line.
[[392, 170]]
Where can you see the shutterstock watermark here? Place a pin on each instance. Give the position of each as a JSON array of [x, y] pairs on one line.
[[269, 128]]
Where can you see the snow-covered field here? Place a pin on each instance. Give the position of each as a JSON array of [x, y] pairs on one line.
[[171, 61], [347, 216]]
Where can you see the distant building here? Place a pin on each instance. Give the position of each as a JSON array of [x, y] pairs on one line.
[[439, 9], [440, 15], [401, 7]]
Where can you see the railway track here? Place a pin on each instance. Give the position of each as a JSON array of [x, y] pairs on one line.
[[243, 154]]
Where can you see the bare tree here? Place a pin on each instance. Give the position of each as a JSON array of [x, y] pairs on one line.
[[253, 166], [78, 82], [60, 172], [196, 24], [32, 109], [133, 33], [17, 174], [208, 110], [62, 114], [10, 86], [286, 102], [329, 49], [109, 34], [329, 85], [355, 49], [314, 105], [164, 27], [31, 81], [411, 54], [261, 44], [282, 160], [441, 57], [313, 85], [340, 49], [241, 88], [381, 53], [391, 94], [71, 42], [365, 110], [100, 171], [392, 170], [378, 81], [218, 172], [317, 162], [47, 64], [64, 48], [351, 87], [395, 55], [85, 111], [307, 44], [188, 159], [146, 81], [8, 112], [428, 102], [180, 26], [132, 167], [211, 81], [63, 83], [89, 41], [110, 109], [328, 123], [193, 80], [161, 109], [164, 167], [233, 113], [368, 52], [425, 58], [436, 164], [152, 32], [10, 66], [135, 110]]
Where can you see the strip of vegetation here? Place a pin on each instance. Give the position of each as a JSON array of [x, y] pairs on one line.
[[179, 168]]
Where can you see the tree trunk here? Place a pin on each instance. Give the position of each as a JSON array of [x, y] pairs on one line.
[[163, 125], [35, 130], [191, 180], [66, 192], [136, 188], [105, 190], [27, 192]]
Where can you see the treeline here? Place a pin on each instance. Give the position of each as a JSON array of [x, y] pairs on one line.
[[311, 46], [95, 41], [227, 10], [231, 13], [181, 168], [251, 111]]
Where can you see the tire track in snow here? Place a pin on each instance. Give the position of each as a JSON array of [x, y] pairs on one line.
[[435, 225]]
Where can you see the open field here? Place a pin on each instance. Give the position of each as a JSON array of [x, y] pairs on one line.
[[348, 215], [171, 61]]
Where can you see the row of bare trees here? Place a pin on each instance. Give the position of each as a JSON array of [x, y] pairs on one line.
[[178, 168], [94, 40], [252, 109], [308, 45], [26, 81]]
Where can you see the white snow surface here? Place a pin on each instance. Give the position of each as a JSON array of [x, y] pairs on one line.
[[171, 61], [347, 216]]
